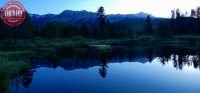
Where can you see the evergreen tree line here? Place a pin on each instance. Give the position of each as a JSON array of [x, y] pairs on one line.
[[180, 24], [63, 30], [185, 23]]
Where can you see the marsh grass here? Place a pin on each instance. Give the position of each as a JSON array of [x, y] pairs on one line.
[[14, 55], [10, 66], [82, 41]]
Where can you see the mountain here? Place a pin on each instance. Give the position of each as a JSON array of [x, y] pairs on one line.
[[81, 17]]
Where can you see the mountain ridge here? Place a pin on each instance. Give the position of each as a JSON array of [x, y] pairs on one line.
[[85, 17]]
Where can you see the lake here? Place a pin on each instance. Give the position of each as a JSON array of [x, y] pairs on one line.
[[112, 70]]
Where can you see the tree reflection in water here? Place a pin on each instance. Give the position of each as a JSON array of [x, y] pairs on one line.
[[103, 69], [24, 79], [180, 57], [83, 58]]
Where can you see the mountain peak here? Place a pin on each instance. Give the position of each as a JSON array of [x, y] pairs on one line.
[[143, 14]]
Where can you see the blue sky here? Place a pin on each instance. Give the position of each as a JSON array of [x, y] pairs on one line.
[[159, 8]]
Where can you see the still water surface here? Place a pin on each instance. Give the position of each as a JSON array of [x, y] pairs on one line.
[[116, 71]]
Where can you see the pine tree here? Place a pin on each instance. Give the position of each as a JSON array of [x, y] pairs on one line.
[[102, 20], [148, 26]]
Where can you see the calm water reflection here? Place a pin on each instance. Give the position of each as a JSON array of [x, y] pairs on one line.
[[116, 70]]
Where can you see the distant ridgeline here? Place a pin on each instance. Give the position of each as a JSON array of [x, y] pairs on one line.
[[84, 17], [86, 24]]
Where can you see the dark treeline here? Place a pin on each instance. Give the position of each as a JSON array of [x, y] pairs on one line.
[[24, 31], [179, 24], [60, 30], [185, 23]]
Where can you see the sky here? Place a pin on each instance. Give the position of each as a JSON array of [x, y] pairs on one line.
[[158, 8]]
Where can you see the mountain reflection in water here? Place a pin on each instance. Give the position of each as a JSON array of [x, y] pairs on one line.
[[73, 59], [84, 58]]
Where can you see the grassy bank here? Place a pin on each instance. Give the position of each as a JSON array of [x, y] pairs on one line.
[[11, 65], [81, 41]]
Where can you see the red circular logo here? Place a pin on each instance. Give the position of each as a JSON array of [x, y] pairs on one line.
[[13, 13]]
